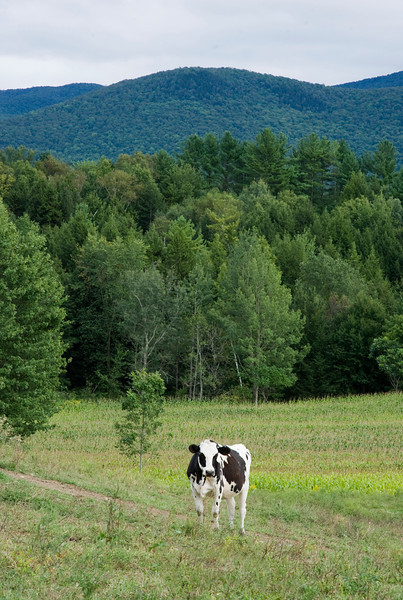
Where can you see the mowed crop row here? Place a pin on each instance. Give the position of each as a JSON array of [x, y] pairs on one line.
[[334, 443]]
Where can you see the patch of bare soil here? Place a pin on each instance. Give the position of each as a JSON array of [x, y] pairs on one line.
[[78, 492]]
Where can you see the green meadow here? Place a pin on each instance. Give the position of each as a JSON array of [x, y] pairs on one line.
[[324, 513]]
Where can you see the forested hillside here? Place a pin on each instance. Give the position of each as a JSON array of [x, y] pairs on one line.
[[383, 81], [162, 110], [21, 101], [234, 267]]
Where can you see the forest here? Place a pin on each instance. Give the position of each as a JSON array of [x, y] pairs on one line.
[[22, 101], [161, 111], [244, 270]]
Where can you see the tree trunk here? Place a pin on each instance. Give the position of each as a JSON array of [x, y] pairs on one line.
[[237, 365], [200, 362]]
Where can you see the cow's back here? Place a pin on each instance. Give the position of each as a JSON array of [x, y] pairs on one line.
[[236, 469]]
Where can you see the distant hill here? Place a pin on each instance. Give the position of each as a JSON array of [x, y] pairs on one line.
[[22, 101], [160, 111], [384, 81]]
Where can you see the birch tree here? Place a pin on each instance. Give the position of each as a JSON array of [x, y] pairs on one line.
[[257, 319]]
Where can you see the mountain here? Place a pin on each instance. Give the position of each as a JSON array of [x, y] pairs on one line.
[[21, 101], [162, 110], [384, 81]]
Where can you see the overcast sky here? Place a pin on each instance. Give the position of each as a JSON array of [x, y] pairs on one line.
[[54, 42]]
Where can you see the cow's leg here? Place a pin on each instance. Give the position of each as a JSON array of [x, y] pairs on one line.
[[216, 509], [231, 510], [199, 506], [242, 507]]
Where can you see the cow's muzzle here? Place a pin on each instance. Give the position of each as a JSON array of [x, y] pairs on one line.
[[210, 473]]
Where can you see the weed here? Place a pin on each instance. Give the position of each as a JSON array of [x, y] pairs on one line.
[[114, 519]]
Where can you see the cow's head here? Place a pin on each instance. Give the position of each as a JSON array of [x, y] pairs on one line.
[[208, 456]]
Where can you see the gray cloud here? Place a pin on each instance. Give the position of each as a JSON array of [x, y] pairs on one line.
[[48, 42]]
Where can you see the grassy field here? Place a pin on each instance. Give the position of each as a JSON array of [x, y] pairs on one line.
[[324, 515]]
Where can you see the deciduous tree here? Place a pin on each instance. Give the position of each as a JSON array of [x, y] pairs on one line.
[[143, 403], [257, 319]]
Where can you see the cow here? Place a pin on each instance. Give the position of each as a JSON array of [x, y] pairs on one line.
[[221, 472]]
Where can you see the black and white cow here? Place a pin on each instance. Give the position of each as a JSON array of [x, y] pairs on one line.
[[221, 472]]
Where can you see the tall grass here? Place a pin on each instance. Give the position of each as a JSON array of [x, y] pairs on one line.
[[324, 515], [337, 443]]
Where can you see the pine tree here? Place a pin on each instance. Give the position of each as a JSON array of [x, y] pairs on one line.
[[31, 319]]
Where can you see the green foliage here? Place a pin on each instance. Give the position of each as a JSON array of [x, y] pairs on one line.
[[388, 350], [144, 246], [342, 318], [182, 249], [291, 253], [162, 110], [312, 168], [95, 327], [391, 80], [266, 160], [144, 403], [384, 161], [21, 101], [31, 318], [257, 319], [150, 308], [373, 225], [274, 215]]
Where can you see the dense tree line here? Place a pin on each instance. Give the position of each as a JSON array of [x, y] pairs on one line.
[[246, 268]]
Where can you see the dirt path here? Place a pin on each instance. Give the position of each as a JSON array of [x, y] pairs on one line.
[[78, 492]]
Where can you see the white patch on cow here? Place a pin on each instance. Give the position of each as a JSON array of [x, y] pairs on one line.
[[209, 450]]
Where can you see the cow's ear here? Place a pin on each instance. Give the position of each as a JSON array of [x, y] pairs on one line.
[[194, 449], [225, 450]]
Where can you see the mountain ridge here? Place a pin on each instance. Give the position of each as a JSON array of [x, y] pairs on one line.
[[14, 102], [381, 81], [159, 111]]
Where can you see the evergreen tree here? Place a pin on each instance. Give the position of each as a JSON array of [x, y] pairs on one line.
[[231, 154], [313, 160], [266, 160], [356, 186], [203, 154], [384, 161], [31, 319], [346, 164]]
